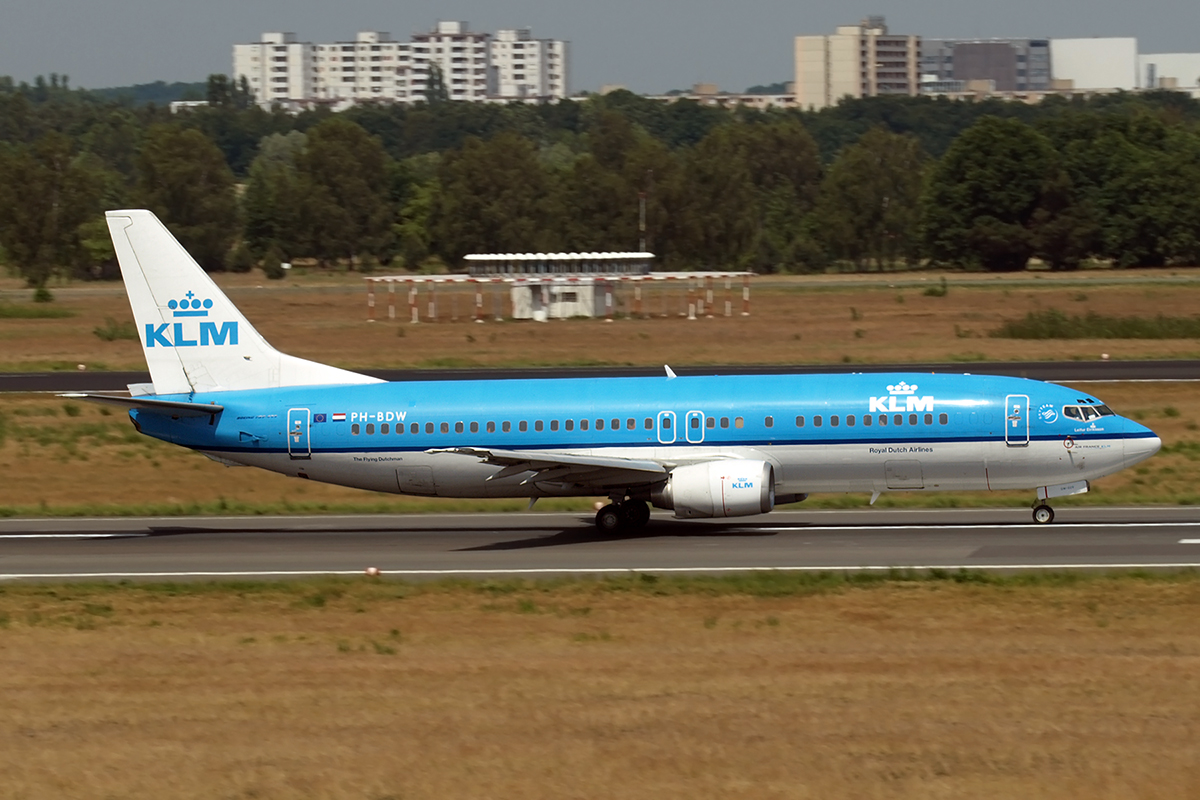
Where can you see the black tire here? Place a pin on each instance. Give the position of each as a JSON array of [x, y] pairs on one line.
[[608, 519], [635, 513], [1043, 515]]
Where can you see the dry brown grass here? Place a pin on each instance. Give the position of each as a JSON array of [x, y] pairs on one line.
[[95, 463], [378, 690], [794, 320]]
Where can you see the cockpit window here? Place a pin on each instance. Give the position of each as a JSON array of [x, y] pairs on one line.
[[1085, 413]]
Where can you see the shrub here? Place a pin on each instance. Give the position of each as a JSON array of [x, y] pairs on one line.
[[112, 330]]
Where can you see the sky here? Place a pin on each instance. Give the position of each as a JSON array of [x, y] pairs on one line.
[[649, 46]]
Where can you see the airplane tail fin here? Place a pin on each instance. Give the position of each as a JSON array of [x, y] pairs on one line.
[[193, 337]]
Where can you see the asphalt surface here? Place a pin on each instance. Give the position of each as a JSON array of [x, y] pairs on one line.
[[1056, 371], [552, 544]]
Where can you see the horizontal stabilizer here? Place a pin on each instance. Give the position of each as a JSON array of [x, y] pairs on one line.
[[173, 407]]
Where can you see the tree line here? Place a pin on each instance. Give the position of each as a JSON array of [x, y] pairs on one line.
[[872, 184]]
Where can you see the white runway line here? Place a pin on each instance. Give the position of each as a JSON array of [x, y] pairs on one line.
[[418, 573], [1189, 541]]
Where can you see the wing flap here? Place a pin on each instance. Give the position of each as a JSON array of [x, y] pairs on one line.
[[551, 466]]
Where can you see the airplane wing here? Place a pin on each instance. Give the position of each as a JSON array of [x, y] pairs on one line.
[[548, 465]]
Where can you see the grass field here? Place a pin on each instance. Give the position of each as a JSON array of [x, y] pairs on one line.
[[794, 320], [757, 687], [69, 458]]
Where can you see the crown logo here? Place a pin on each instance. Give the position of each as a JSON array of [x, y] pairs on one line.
[[189, 306], [903, 388]]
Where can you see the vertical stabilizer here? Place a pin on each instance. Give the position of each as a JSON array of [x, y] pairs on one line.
[[193, 337]]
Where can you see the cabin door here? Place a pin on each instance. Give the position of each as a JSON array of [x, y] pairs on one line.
[[693, 429], [299, 422], [1016, 420]]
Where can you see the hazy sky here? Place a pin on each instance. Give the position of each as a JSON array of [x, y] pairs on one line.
[[647, 45]]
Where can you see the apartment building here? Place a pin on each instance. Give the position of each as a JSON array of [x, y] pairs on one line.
[[528, 68], [863, 60], [474, 67], [277, 68]]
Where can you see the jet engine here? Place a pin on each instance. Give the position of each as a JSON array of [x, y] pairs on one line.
[[734, 488]]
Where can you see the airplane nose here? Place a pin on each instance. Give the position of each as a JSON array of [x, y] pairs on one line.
[[1139, 448]]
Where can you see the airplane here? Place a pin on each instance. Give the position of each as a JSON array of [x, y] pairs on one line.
[[700, 446]]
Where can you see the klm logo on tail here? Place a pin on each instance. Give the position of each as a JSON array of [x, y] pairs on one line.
[[191, 334]]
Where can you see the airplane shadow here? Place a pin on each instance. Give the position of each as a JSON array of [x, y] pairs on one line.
[[592, 535]]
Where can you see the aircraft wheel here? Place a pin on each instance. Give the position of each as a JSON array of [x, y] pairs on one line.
[[1043, 515], [608, 519], [635, 513]]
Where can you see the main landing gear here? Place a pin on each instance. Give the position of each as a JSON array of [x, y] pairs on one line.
[[1043, 514], [623, 515]]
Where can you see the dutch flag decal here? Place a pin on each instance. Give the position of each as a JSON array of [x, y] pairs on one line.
[[341, 417]]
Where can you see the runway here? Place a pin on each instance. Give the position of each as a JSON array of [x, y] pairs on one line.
[[1053, 371], [559, 544]]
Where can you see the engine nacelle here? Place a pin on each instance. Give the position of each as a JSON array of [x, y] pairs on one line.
[[734, 488]]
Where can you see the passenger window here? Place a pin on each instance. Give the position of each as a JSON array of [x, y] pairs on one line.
[[400, 429], [710, 423], [649, 423], [769, 422], [867, 420], [370, 429], [538, 426], [474, 427], [385, 428], [799, 422], [630, 423], [738, 422], [354, 429], [524, 426], [834, 421], [445, 427], [569, 424], [943, 419], [883, 419], [600, 425], [616, 424], [695, 423], [817, 421], [666, 423], [458, 427], [491, 427], [415, 429], [583, 424], [912, 419], [724, 422], [506, 426], [850, 420], [898, 419], [929, 419]]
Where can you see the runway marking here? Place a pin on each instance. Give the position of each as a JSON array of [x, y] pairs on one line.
[[416, 573], [1189, 541], [965, 527]]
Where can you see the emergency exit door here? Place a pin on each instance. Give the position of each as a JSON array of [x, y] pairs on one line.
[[299, 422]]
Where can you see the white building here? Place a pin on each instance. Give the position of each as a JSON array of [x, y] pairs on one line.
[[375, 67], [364, 69], [1170, 71], [528, 68], [861, 60], [1095, 64], [462, 56], [277, 68]]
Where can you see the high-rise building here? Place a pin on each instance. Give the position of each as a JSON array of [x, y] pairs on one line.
[[376, 68], [277, 68], [528, 68], [1096, 64], [1012, 65], [862, 60], [364, 69]]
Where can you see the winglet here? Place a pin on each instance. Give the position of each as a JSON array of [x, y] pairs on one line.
[[670, 372]]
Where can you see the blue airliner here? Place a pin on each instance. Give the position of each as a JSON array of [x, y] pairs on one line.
[[717, 446]]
